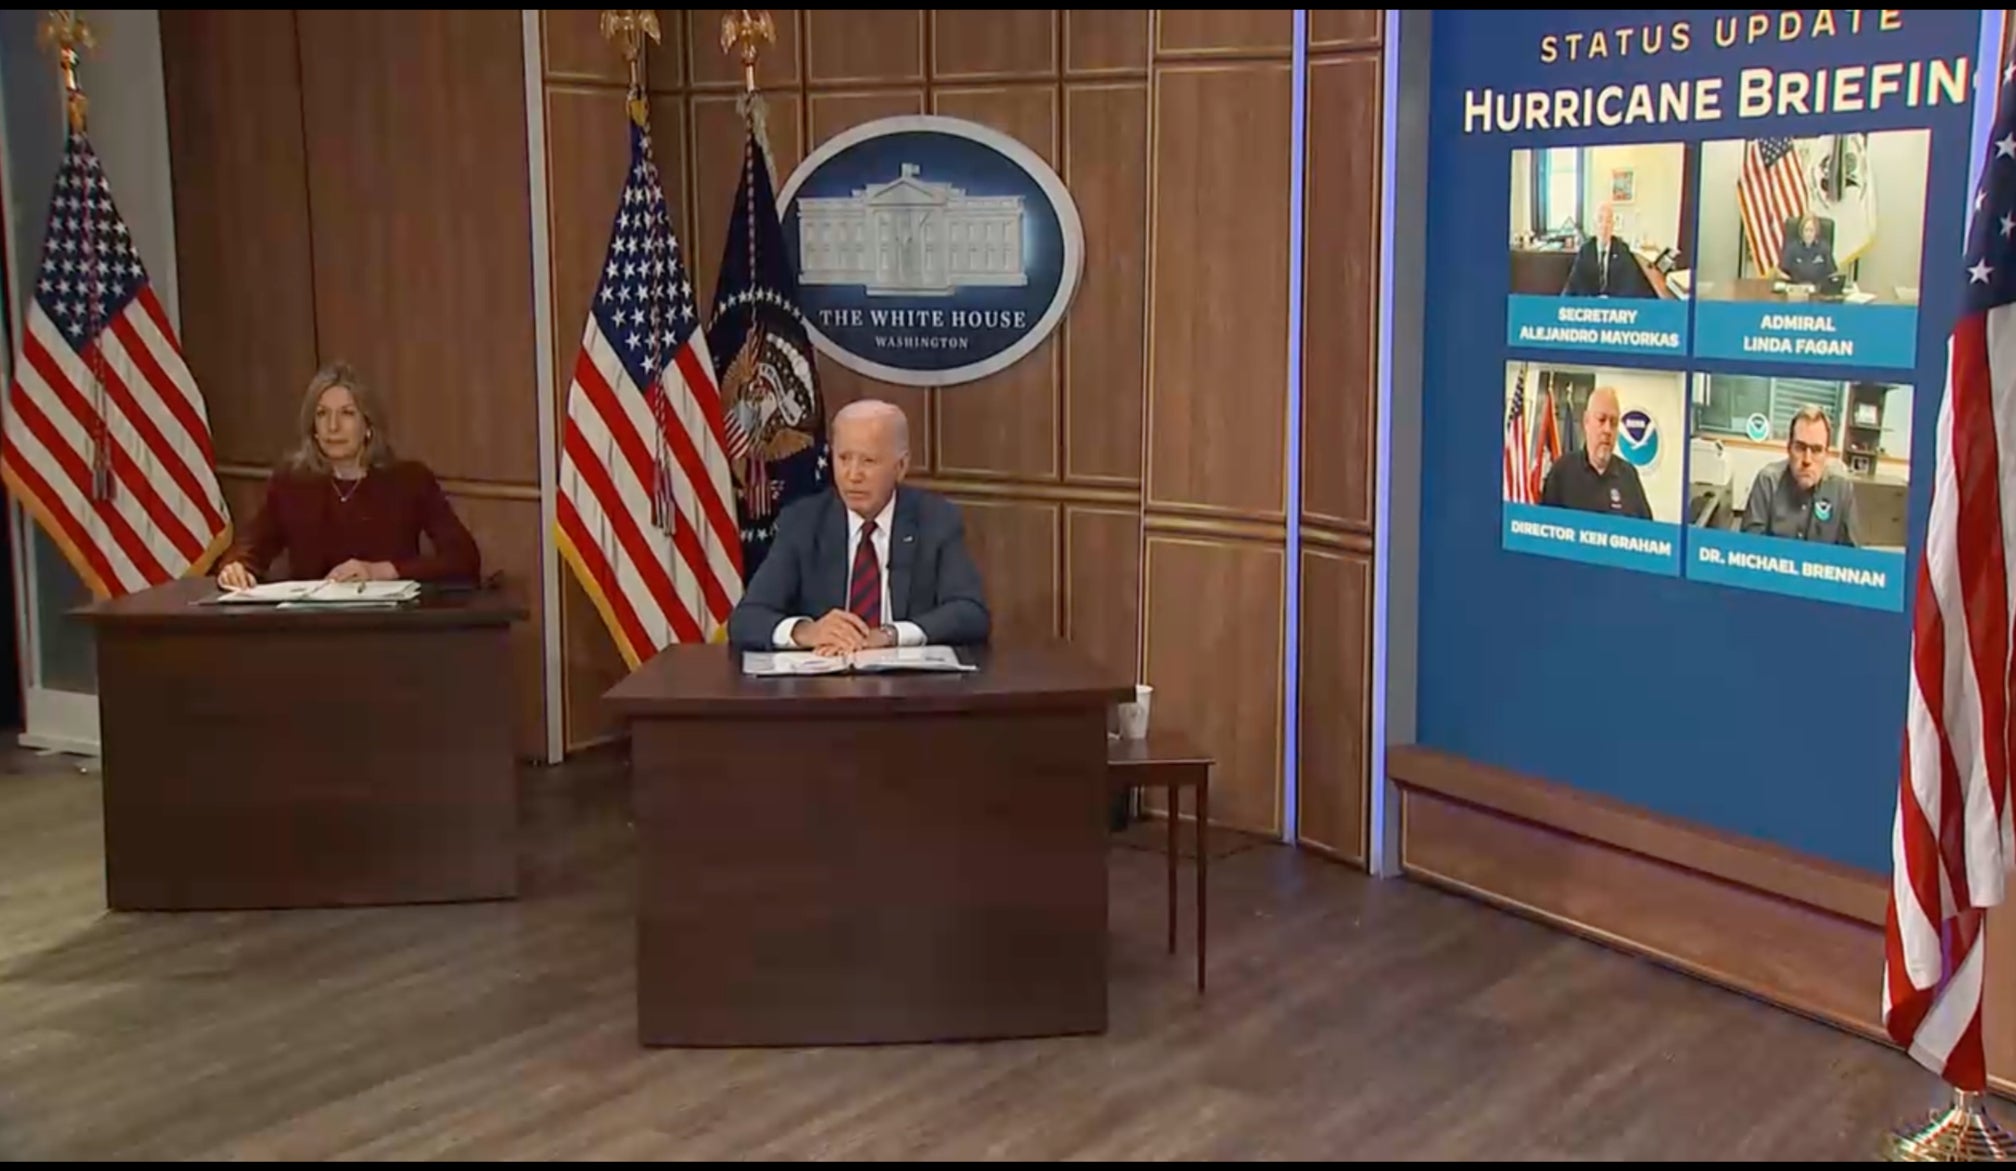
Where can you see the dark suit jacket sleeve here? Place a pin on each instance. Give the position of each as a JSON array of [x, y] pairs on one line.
[[960, 618], [774, 593]]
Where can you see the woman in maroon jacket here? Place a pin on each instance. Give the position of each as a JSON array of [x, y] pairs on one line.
[[342, 506]]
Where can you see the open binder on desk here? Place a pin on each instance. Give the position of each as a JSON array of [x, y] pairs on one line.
[[909, 658], [318, 594]]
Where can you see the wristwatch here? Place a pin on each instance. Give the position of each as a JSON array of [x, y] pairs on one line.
[[889, 632]]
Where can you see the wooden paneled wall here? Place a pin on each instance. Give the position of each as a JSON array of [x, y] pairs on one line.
[[1045, 458], [1214, 513], [354, 185], [1340, 289], [1125, 485]]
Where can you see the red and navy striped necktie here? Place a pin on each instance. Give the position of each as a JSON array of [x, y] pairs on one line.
[[864, 590]]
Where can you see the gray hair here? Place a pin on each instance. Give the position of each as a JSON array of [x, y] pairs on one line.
[[874, 408]]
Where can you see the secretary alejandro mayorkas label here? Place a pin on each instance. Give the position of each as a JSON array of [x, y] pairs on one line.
[[931, 251]]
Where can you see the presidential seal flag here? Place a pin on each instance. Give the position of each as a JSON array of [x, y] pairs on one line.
[[774, 416], [646, 519]]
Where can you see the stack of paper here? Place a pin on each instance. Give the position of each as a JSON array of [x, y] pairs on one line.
[[325, 593], [909, 658]]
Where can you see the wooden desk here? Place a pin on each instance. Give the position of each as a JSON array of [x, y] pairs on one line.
[[1758, 288], [1654, 279], [1540, 272], [878, 858], [257, 757], [1544, 272]]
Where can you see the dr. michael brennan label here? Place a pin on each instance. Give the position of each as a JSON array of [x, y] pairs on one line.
[[1871, 578]]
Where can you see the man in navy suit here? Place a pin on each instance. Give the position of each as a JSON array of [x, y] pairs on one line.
[[1603, 267], [869, 564]]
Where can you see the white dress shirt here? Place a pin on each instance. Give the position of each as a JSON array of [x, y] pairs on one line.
[[907, 633]]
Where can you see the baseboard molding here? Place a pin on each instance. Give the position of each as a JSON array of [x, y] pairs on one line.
[[1762, 866], [1800, 933], [1798, 957], [61, 744], [1351, 858], [576, 747]]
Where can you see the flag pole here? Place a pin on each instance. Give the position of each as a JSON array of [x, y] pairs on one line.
[[743, 32], [628, 27], [65, 32], [1963, 1132]]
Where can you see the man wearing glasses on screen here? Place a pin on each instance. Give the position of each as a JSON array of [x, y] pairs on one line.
[[1800, 496]]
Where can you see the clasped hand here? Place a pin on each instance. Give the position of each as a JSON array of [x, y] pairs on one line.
[[840, 632]]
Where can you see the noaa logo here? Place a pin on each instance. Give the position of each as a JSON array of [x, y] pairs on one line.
[[1638, 438], [931, 251], [1758, 427], [1824, 509]]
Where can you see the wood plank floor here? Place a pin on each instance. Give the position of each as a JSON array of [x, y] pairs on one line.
[[1347, 1018]]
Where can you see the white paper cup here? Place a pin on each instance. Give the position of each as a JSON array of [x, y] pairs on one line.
[[1134, 716]]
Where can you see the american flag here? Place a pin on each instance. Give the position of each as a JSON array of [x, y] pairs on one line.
[[1532, 443], [1771, 190], [1951, 842], [107, 440], [646, 513], [1518, 484]]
